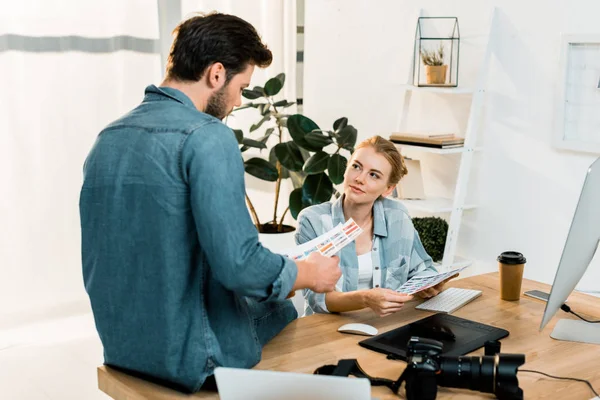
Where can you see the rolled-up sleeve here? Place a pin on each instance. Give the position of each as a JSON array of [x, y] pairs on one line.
[[213, 168], [305, 233]]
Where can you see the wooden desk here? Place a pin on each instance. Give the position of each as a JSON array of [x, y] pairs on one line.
[[310, 342]]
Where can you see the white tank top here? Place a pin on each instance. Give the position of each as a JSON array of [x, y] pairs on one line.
[[365, 271]]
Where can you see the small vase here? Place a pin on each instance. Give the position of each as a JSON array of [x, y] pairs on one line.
[[436, 74], [277, 242]]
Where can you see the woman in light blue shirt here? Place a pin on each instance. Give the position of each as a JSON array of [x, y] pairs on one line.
[[387, 253]]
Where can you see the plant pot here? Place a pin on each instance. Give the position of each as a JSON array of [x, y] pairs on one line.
[[436, 74], [279, 241]]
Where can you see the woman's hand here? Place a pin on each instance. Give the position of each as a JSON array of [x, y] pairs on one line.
[[435, 290], [385, 301]]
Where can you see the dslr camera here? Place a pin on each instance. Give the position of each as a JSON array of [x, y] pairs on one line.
[[493, 373]]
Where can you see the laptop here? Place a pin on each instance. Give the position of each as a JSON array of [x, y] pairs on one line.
[[251, 384]]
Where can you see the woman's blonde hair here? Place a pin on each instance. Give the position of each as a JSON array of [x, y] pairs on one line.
[[391, 154]]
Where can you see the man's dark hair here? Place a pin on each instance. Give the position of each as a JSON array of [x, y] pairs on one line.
[[206, 39]]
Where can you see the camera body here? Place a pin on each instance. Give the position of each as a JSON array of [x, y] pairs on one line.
[[427, 369]]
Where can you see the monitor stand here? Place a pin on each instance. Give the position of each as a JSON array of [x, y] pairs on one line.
[[576, 331]]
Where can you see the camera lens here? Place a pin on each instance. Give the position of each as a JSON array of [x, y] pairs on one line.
[[488, 374]]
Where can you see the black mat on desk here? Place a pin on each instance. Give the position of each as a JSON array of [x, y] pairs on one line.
[[469, 335]]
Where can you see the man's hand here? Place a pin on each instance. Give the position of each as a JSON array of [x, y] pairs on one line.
[[385, 301], [318, 273], [435, 290], [325, 272]]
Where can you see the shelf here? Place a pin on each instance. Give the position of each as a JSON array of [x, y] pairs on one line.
[[433, 205], [437, 89], [434, 150]]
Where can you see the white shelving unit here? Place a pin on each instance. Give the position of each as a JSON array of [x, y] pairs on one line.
[[455, 206], [434, 89], [434, 150]]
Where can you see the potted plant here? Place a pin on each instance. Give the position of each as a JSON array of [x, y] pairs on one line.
[[313, 159], [435, 69], [433, 232]]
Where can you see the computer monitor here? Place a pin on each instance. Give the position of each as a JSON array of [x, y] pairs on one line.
[[580, 247]]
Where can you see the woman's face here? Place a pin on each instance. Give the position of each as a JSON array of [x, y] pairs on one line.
[[366, 177]]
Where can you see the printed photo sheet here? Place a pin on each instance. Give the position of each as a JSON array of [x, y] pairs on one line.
[[328, 243], [418, 283]]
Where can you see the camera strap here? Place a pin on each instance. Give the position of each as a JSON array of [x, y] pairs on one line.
[[351, 367]]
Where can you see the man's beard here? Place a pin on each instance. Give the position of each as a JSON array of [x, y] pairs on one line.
[[217, 106]]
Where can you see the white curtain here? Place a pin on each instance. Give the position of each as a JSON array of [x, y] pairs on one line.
[[69, 67], [276, 22]]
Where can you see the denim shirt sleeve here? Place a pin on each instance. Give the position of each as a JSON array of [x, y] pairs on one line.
[[421, 263], [305, 233], [213, 168]]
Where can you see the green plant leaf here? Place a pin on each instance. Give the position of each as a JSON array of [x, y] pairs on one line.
[[297, 178], [253, 143], [273, 86], [267, 135], [283, 103], [281, 77], [296, 203], [317, 189], [289, 156], [263, 109], [340, 124], [298, 125], [239, 135], [336, 168], [305, 154], [259, 123], [244, 148], [262, 169], [251, 94], [248, 105], [317, 139], [269, 131], [317, 163], [284, 173], [347, 136]]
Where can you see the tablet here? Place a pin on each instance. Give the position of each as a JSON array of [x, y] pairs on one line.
[[459, 336]]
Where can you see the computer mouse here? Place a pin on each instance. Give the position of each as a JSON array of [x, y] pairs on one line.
[[358, 329]]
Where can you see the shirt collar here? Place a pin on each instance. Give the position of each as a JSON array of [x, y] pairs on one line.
[[171, 93], [379, 223]]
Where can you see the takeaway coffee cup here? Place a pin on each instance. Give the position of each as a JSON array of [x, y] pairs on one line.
[[511, 264]]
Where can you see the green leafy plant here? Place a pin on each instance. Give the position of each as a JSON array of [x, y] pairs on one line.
[[433, 232], [433, 57], [303, 159]]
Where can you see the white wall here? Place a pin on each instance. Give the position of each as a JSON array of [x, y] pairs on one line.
[[52, 107], [357, 52]]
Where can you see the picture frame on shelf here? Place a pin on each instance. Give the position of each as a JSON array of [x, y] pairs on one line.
[[577, 123]]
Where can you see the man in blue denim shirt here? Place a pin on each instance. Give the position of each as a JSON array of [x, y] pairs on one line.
[[177, 279]]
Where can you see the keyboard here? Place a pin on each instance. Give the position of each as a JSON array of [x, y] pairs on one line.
[[449, 300]]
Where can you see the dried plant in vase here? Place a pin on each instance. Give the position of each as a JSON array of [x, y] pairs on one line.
[[435, 69]]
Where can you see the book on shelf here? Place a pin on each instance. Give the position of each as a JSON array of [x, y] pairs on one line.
[[423, 135], [441, 142]]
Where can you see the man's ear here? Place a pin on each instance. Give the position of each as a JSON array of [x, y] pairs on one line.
[[216, 76], [389, 191]]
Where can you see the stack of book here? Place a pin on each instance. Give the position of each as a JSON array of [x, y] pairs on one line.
[[438, 140]]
